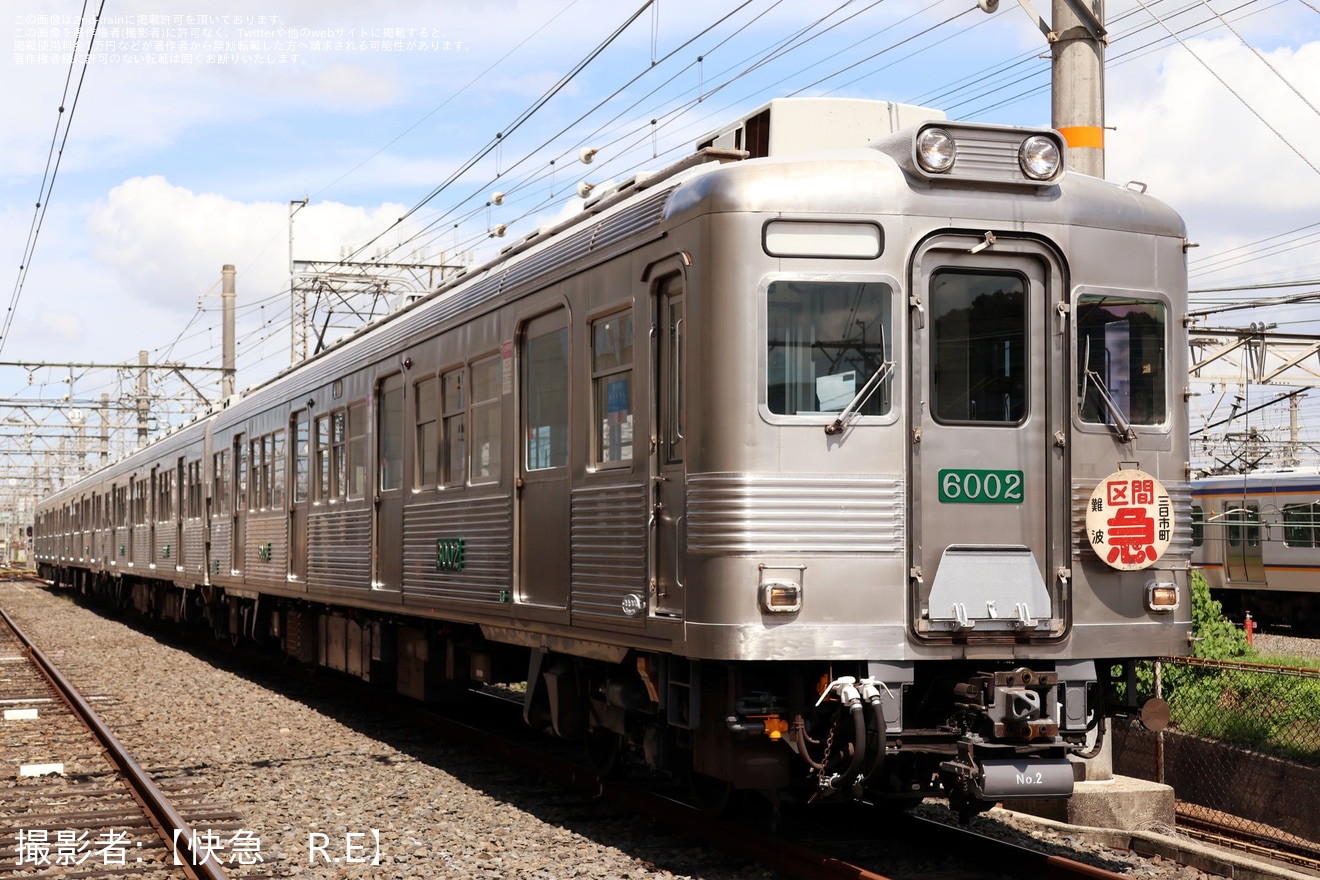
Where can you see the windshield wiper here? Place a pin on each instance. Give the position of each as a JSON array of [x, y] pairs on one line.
[[1120, 423], [861, 397]]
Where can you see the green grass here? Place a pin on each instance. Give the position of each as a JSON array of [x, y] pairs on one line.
[[1259, 710]]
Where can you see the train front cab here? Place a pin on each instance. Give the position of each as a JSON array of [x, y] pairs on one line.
[[952, 496]]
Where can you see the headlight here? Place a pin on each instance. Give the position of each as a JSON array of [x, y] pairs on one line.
[[1039, 157], [936, 150]]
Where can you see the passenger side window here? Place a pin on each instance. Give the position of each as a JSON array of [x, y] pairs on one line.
[[427, 442], [612, 388], [454, 405], [323, 491], [260, 474], [545, 394], [357, 450], [487, 379], [1121, 357], [339, 454], [301, 457], [1301, 525], [241, 472], [276, 443], [389, 429], [220, 487]]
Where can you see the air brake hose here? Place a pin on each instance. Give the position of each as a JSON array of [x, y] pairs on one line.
[[880, 725], [859, 746]]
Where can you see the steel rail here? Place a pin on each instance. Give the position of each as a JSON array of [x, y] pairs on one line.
[[1012, 857], [160, 811]]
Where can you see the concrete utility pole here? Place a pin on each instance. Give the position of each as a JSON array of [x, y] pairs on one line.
[[105, 430], [1077, 44], [297, 303], [227, 298], [144, 401]]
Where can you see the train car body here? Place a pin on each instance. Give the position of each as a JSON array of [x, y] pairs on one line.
[[758, 456], [1257, 541]]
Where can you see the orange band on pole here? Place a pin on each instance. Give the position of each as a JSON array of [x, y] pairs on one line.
[[1084, 136]]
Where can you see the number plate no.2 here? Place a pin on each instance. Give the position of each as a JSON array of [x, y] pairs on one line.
[[961, 486]]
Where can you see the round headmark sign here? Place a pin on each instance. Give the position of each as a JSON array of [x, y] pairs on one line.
[[1129, 520]]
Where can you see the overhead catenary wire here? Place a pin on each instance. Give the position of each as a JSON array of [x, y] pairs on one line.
[[628, 139], [513, 126], [748, 66], [1261, 55], [1231, 90], [1130, 54], [52, 170]]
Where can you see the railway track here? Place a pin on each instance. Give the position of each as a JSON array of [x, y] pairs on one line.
[[77, 801], [818, 853], [1254, 838], [652, 825]]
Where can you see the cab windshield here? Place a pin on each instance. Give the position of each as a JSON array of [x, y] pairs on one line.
[[826, 339], [1121, 356]]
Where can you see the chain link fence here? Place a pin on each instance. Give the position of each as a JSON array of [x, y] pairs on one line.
[[1242, 749]]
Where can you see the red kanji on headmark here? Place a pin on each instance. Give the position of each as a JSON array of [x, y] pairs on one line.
[[1116, 492], [1131, 536]]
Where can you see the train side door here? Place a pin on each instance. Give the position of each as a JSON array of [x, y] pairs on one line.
[[300, 494], [389, 484], [179, 514], [239, 531], [667, 470], [1243, 560], [128, 555], [989, 533], [153, 516], [543, 466]]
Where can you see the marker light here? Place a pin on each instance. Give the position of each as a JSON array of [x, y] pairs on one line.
[[936, 150], [1039, 157], [781, 596], [1161, 596]]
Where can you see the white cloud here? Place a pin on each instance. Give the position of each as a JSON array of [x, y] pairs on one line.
[[60, 327], [167, 244], [1201, 150]]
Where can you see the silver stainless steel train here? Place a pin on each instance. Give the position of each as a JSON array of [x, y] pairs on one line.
[[846, 458], [1256, 539]]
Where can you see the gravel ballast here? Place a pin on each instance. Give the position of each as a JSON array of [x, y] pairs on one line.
[[315, 783]]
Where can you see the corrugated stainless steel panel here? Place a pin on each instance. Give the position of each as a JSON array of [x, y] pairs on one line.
[[339, 549], [608, 533], [558, 254], [613, 228], [141, 546], [487, 288], [1180, 493], [485, 526], [643, 215], [989, 155], [167, 545], [222, 544], [790, 513], [266, 548], [194, 547]]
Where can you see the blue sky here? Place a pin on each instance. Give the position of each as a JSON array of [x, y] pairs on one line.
[[188, 142]]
